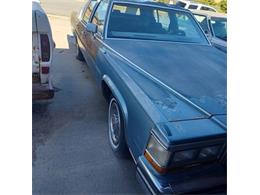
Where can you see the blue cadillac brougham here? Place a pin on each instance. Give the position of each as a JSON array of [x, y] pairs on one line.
[[166, 88]]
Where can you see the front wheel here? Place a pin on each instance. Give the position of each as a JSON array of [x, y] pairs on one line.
[[116, 131]]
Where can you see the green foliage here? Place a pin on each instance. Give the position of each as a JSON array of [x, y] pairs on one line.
[[163, 1], [207, 2], [223, 5]]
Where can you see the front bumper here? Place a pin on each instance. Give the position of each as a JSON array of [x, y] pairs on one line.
[[209, 179], [42, 91]]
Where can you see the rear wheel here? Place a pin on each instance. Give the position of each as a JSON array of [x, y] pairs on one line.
[[79, 55], [116, 131]]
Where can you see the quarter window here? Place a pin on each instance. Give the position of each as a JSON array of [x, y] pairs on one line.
[[89, 10], [100, 15]]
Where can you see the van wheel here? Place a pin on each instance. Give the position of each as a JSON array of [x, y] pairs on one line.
[[116, 129], [79, 55]]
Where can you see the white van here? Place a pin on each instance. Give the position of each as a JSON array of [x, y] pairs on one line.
[[193, 6], [42, 51]]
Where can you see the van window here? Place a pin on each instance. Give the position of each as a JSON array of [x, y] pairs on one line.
[[181, 4], [89, 10], [100, 15], [192, 6], [207, 9], [45, 47]]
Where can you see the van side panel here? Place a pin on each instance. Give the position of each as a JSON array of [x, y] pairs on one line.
[[41, 26]]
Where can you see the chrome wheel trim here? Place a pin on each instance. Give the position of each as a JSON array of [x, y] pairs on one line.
[[114, 123]]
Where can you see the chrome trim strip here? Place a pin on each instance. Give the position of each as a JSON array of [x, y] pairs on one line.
[[153, 179], [131, 153], [181, 43], [157, 80], [152, 5], [157, 139], [145, 181]]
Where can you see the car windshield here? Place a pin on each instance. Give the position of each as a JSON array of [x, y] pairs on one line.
[[202, 20], [219, 26], [153, 23]]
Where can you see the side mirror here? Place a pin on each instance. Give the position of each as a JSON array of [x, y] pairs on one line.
[[91, 27]]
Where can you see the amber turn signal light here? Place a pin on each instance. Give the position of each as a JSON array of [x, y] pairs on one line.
[[154, 164]]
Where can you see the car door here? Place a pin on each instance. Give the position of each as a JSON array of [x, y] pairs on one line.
[[94, 41], [82, 33]]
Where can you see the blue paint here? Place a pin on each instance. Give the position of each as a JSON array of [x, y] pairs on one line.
[[177, 91]]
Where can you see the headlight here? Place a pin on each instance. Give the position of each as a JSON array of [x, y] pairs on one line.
[[209, 152], [162, 159], [186, 155], [156, 154]]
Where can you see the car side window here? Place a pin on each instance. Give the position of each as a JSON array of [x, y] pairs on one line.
[[100, 15], [89, 10]]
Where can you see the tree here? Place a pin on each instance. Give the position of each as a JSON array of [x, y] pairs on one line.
[[207, 2], [223, 5], [163, 1]]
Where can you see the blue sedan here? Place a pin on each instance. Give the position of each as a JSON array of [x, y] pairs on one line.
[[166, 89]]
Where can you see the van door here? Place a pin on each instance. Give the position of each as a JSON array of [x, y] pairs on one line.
[[45, 45], [35, 51]]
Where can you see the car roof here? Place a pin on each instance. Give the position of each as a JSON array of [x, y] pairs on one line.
[[209, 13], [152, 3]]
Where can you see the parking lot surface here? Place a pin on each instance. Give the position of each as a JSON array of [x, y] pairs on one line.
[[71, 152], [61, 7]]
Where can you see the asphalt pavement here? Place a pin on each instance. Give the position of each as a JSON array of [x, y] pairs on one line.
[[71, 152]]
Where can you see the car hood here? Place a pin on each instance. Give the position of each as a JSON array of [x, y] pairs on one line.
[[219, 43], [197, 72]]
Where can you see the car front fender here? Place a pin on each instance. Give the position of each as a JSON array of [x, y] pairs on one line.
[[116, 93]]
